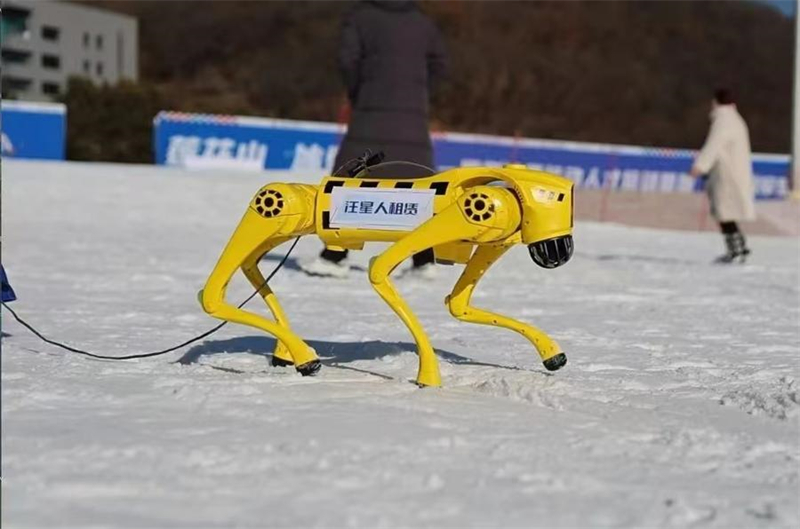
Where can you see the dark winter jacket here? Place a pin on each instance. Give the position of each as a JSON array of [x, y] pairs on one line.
[[390, 55]]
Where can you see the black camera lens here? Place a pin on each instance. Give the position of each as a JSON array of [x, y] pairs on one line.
[[552, 253]]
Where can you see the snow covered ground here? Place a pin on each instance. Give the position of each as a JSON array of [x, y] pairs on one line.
[[679, 406]]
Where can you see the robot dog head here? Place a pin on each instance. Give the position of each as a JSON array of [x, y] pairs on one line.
[[552, 253], [547, 214]]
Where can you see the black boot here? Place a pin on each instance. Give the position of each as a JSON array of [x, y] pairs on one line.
[[742, 251], [422, 258], [731, 244], [737, 249], [334, 256]]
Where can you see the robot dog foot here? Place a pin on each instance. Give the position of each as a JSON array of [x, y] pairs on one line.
[[280, 362], [310, 368], [556, 362]]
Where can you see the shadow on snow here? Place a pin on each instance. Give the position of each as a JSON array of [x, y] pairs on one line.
[[336, 354]]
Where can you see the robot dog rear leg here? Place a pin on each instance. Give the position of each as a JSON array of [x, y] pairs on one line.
[[280, 355], [458, 303], [246, 244]]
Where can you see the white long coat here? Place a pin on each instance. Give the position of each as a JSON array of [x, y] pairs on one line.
[[725, 156]]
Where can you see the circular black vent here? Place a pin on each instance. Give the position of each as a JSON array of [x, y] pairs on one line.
[[478, 207], [269, 203]]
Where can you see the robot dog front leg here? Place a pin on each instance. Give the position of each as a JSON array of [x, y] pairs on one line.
[[483, 214], [458, 303]]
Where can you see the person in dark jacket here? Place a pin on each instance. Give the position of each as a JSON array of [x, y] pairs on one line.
[[391, 55], [6, 292]]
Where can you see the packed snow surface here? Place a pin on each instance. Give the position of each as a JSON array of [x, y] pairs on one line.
[[678, 408]]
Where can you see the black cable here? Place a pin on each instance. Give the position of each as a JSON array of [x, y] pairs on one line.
[[398, 162], [156, 353], [348, 162]]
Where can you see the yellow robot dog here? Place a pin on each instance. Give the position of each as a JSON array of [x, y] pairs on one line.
[[470, 215]]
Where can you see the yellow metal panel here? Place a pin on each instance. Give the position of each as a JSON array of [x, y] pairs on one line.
[[457, 252]]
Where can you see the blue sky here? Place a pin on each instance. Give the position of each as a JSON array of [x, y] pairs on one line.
[[784, 6]]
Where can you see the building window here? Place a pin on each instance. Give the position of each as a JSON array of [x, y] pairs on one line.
[[51, 89], [87, 67], [85, 40], [14, 22], [98, 42], [11, 86], [15, 56], [99, 68], [50, 33], [51, 61]]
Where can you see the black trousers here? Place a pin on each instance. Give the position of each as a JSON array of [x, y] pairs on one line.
[[419, 259], [728, 227]]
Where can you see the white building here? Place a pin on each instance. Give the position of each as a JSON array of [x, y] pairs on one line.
[[46, 42]]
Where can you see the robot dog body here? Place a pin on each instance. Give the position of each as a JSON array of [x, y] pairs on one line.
[[469, 215]]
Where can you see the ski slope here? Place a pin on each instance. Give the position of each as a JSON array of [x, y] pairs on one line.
[[679, 406]]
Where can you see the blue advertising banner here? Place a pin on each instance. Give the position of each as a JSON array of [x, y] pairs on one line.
[[255, 144], [598, 166], [203, 141], [33, 130]]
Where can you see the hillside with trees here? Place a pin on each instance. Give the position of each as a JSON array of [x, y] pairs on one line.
[[618, 72]]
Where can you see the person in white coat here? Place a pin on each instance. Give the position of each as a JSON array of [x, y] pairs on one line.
[[726, 159]]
